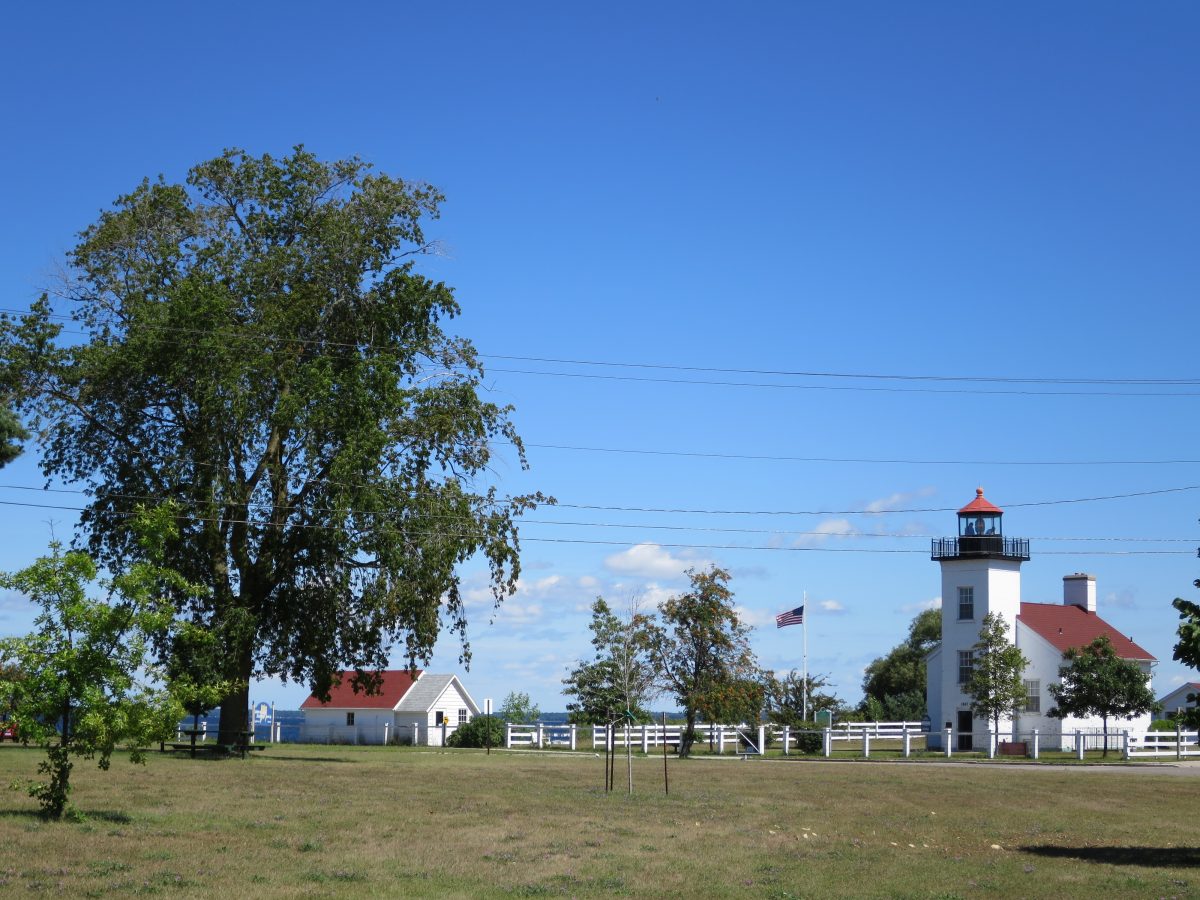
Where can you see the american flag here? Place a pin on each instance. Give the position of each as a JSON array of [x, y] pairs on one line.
[[791, 617]]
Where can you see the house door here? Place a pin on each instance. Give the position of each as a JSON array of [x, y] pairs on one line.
[[964, 729]]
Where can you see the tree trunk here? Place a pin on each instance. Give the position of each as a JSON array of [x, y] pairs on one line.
[[236, 706], [688, 736]]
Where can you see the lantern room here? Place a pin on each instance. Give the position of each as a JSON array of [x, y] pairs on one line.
[[980, 534]]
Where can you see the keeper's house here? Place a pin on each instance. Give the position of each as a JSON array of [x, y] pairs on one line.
[[1178, 700], [981, 574], [410, 708]]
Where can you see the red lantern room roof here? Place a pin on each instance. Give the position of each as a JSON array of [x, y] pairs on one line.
[[979, 505]]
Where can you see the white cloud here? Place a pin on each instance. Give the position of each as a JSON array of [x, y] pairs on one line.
[[1123, 599], [826, 529], [755, 618], [898, 499], [588, 582], [651, 561], [831, 606], [922, 605]]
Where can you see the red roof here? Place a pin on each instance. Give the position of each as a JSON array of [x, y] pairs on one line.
[[979, 505], [1067, 626], [394, 686]]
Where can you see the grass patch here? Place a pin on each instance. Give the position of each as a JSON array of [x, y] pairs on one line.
[[385, 822]]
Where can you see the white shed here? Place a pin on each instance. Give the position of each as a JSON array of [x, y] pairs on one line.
[[410, 707]]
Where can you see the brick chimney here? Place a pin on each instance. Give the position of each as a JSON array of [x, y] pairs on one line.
[[1080, 590]]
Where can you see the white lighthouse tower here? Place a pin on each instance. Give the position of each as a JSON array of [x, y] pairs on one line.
[[981, 574]]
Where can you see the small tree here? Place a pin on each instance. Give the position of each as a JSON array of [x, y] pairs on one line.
[[1097, 682], [995, 686], [783, 700], [619, 680], [519, 709], [700, 646], [86, 667]]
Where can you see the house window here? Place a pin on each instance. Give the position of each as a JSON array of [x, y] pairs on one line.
[[439, 718], [966, 663], [349, 718], [462, 717], [1033, 696], [966, 603]]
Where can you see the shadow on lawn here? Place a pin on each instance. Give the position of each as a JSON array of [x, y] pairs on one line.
[[97, 815], [1155, 857]]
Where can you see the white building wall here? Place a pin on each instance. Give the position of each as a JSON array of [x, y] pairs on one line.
[[448, 704], [996, 584], [328, 726]]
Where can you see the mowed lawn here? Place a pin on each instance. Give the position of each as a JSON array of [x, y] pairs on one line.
[[389, 822]]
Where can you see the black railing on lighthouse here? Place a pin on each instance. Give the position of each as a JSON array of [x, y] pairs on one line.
[[980, 545]]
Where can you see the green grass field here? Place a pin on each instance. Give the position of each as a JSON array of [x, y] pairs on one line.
[[385, 822]]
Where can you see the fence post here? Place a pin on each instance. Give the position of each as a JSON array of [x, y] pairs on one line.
[[907, 742], [385, 732], [992, 744], [720, 738], [867, 743], [1125, 744], [786, 736], [507, 736], [572, 737], [1036, 741], [1079, 745], [762, 740], [645, 739], [949, 742], [828, 748]]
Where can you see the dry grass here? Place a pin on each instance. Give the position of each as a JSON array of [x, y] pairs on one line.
[[386, 822]]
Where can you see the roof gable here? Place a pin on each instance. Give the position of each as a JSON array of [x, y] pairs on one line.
[[1065, 626], [395, 684]]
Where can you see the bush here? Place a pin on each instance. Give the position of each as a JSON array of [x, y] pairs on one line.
[[475, 733], [1163, 725]]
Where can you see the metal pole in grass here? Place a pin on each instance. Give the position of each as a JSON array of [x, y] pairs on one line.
[[487, 728], [666, 778]]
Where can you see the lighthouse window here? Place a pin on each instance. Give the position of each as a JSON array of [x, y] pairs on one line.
[[966, 603], [966, 663]]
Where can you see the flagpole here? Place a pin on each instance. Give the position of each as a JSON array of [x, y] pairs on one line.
[[804, 625]]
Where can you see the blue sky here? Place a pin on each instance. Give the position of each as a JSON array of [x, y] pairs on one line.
[[859, 190]]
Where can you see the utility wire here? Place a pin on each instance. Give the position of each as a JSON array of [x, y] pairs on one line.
[[561, 540], [969, 379]]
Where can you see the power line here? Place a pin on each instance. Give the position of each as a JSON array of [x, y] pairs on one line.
[[871, 376], [593, 542], [865, 460]]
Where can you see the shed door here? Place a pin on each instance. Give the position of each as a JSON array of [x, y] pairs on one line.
[[964, 729]]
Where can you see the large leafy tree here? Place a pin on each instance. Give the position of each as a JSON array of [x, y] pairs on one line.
[[11, 435], [784, 697], [701, 649], [82, 683], [260, 349], [995, 686], [1097, 682], [896, 682]]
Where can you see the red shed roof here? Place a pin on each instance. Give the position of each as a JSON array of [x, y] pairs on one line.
[[395, 684], [979, 504], [1067, 626]]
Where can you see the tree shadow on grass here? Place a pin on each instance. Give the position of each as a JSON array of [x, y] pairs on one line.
[[1152, 857], [90, 815]]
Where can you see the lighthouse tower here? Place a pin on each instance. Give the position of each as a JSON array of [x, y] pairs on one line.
[[981, 574]]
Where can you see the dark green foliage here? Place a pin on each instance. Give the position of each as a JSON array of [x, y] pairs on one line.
[[701, 649], [11, 435], [1164, 725], [1097, 682], [475, 733], [894, 681], [259, 347]]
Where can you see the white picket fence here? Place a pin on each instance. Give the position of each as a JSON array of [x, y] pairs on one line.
[[539, 736]]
